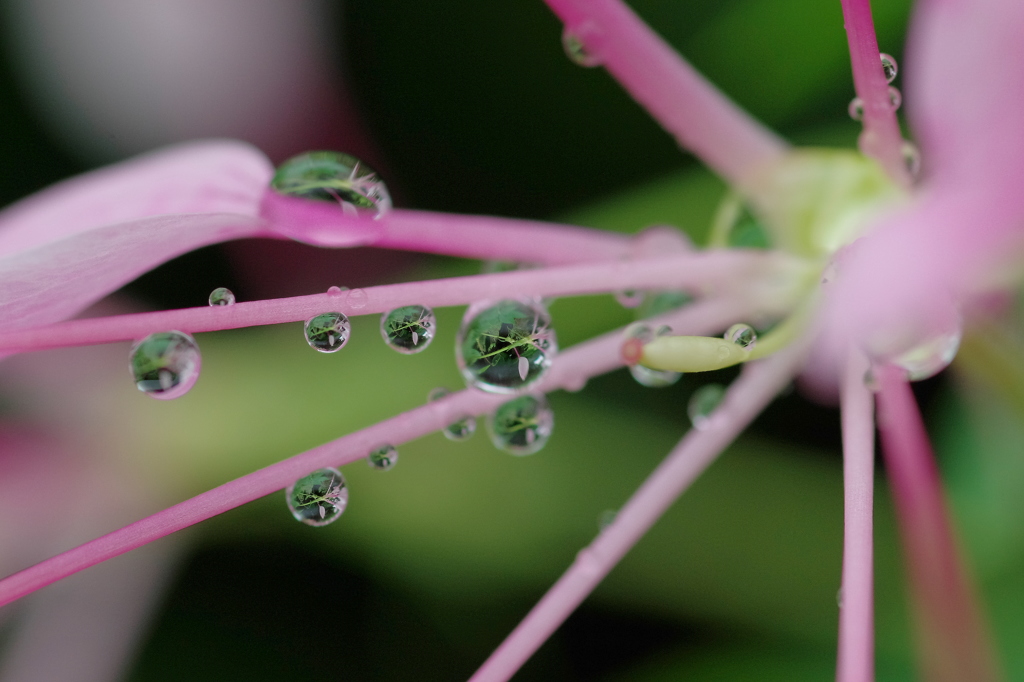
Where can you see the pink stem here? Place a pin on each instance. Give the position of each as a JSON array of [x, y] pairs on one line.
[[882, 139], [485, 237], [701, 118], [748, 395], [570, 370], [857, 613], [953, 641], [694, 271]]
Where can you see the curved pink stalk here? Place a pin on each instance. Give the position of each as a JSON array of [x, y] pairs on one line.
[[696, 271], [882, 138], [700, 117], [749, 394], [856, 658], [953, 641], [571, 370]]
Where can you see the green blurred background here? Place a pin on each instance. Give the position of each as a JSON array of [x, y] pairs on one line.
[[472, 107]]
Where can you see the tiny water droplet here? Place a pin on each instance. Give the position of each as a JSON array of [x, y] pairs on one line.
[[165, 365], [336, 291], [408, 329], [521, 426], [629, 298], [703, 403], [743, 335], [318, 499], [870, 382], [911, 158], [328, 332], [574, 42], [494, 338], [356, 299], [839, 597], [895, 98], [856, 109], [222, 296], [334, 177], [460, 429], [383, 458], [889, 67], [606, 518], [645, 376]]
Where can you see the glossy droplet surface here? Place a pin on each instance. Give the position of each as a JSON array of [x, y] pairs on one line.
[[334, 177], [856, 109], [743, 335], [460, 429], [930, 357], [327, 333], [356, 298], [703, 403], [895, 98], [318, 499], [408, 329], [505, 346], [629, 298], [336, 291], [383, 458], [222, 296], [521, 426], [911, 158], [889, 67], [645, 376], [574, 44], [165, 365]]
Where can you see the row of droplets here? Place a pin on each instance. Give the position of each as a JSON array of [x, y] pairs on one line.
[[890, 69]]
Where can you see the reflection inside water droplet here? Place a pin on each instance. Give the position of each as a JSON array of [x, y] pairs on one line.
[[504, 347], [318, 499], [165, 365], [327, 333], [460, 429], [222, 296], [645, 376], [743, 335], [521, 426], [889, 67], [334, 177], [703, 403], [579, 44], [383, 458], [408, 329]]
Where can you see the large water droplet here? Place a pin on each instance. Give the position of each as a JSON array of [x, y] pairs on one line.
[[222, 296], [408, 329], [318, 499], [645, 376], [460, 429], [931, 356], [743, 335], [703, 403], [889, 67], [895, 98], [856, 109], [335, 177], [575, 43], [327, 333], [165, 365], [383, 458], [505, 346], [521, 426]]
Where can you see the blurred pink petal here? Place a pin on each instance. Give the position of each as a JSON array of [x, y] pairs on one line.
[[965, 94]]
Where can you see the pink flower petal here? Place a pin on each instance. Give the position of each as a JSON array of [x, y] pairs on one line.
[[965, 93]]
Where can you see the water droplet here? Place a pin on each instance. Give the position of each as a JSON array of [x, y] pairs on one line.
[[165, 365], [318, 499], [895, 98], [521, 426], [743, 335], [408, 329], [356, 299], [911, 158], [493, 340], [930, 357], [703, 403], [383, 458], [659, 240], [645, 376], [839, 597], [336, 291], [606, 518], [889, 67], [222, 296], [870, 382], [660, 302], [578, 45], [334, 177], [327, 333], [856, 109], [460, 429], [629, 298]]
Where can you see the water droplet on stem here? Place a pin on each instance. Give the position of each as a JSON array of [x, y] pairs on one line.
[[334, 177], [165, 365], [328, 332], [521, 426], [319, 498], [506, 346], [222, 296]]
